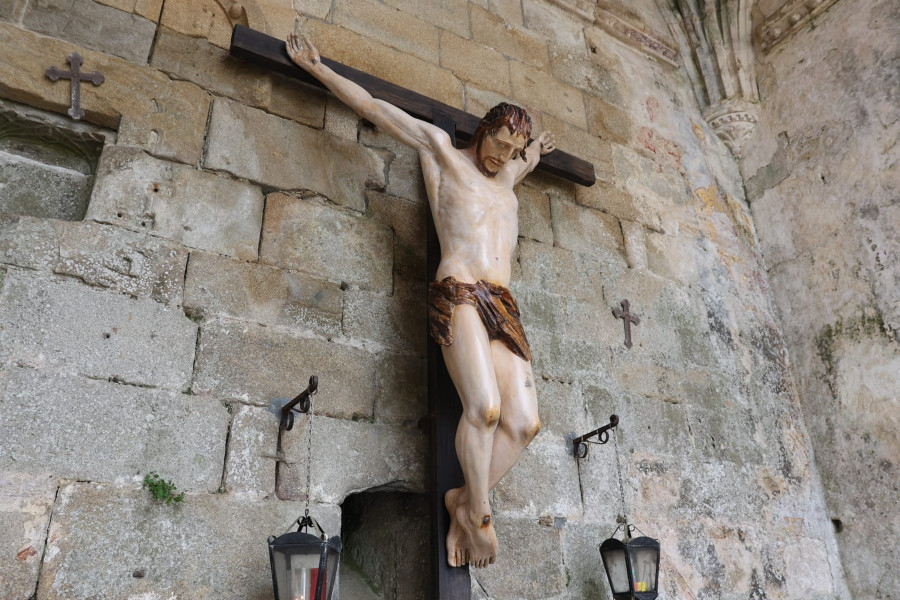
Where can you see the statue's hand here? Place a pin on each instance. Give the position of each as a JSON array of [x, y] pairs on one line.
[[302, 52], [547, 142]]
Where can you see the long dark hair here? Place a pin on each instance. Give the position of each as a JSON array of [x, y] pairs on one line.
[[512, 116]]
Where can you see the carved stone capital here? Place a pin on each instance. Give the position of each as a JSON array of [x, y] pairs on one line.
[[787, 20], [733, 121]]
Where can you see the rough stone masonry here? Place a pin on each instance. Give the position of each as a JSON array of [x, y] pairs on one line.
[[240, 232]]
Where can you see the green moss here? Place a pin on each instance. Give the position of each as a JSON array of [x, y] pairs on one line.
[[162, 490]]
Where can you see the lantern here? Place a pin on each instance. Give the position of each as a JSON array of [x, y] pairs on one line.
[[304, 566], [632, 565]]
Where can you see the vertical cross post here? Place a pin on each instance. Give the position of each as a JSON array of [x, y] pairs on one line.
[[629, 319], [76, 77], [445, 410]]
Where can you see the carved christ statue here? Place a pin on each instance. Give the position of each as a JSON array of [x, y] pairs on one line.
[[472, 313]]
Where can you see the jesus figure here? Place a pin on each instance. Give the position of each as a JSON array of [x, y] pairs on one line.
[[472, 314]]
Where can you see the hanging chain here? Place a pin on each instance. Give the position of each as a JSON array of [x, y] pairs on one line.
[[615, 438], [309, 430]]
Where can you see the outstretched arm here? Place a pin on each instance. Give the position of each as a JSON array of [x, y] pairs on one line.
[[395, 122], [544, 144]]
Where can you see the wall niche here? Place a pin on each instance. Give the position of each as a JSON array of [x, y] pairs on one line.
[[386, 546], [47, 163]]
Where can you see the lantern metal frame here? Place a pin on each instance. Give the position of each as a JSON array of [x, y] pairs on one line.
[[301, 539], [629, 546]]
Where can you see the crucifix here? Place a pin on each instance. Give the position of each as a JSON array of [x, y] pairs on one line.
[[482, 401], [629, 318], [76, 77]]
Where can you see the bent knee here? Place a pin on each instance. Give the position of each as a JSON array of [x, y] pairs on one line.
[[524, 430], [485, 415]]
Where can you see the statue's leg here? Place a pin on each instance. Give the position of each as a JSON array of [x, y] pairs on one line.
[[519, 419], [470, 363]]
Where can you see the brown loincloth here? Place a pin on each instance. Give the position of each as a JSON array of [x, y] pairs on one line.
[[496, 307]]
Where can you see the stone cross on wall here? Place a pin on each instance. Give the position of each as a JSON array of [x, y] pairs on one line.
[[76, 77]]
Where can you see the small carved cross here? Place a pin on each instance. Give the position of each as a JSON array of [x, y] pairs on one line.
[[76, 76], [629, 319]]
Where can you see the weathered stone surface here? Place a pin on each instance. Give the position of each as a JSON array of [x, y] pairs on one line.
[[67, 325], [563, 272], [401, 388], [25, 504], [547, 94], [607, 121], [149, 9], [326, 242], [28, 242], [380, 456], [401, 29], [103, 534], [210, 67], [126, 262], [585, 230], [635, 247], [368, 55], [494, 31], [256, 364], [209, 19], [539, 309], [550, 21], [241, 143], [396, 323], [341, 120], [177, 202], [599, 74], [529, 565], [408, 222], [94, 430], [40, 190], [252, 452], [452, 15], [93, 25], [167, 118], [300, 102], [534, 215], [103, 256], [251, 292], [475, 63], [404, 170], [12, 11], [544, 482]]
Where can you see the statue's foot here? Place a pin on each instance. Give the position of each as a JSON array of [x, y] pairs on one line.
[[482, 539], [457, 540]]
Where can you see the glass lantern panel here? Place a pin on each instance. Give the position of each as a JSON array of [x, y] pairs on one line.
[[644, 562], [614, 561], [297, 575], [334, 559]]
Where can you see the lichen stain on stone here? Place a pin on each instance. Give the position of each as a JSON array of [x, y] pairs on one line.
[[26, 553], [664, 152]]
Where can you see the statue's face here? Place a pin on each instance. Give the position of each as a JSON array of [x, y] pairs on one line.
[[497, 150]]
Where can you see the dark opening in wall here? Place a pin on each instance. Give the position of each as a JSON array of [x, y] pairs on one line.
[[47, 163], [386, 553]]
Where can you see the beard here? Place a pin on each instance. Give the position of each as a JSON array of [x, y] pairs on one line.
[[480, 163]]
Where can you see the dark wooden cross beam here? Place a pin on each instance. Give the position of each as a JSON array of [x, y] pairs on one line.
[[76, 77], [269, 52], [444, 406]]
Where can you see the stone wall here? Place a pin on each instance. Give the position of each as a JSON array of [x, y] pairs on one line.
[[823, 176], [245, 232]]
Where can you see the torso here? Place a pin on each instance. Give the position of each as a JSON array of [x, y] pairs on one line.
[[476, 217]]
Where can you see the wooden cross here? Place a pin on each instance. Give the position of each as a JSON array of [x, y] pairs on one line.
[[76, 77], [444, 406], [629, 319]]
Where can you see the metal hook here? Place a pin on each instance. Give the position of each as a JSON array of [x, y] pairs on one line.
[[579, 444], [287, 413]]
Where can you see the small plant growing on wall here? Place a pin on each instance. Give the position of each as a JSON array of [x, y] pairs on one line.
[[161, 489]]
